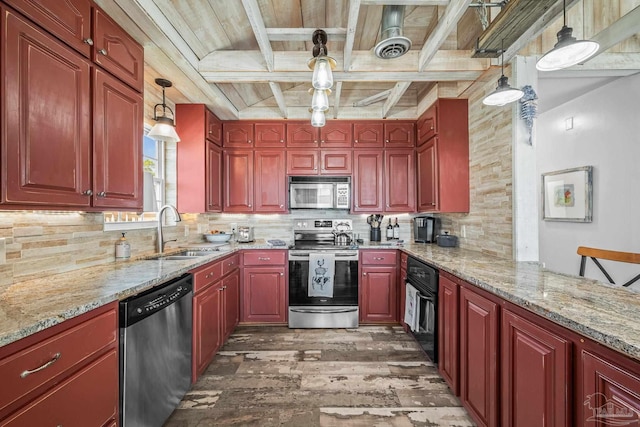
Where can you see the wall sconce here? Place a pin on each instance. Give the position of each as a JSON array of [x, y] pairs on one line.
[[504, 93], [164, 129], [321, 64], [568, 51]]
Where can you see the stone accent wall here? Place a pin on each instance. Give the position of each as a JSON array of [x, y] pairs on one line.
[[488, 226]]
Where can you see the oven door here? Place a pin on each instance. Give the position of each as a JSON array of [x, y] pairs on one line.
[[345, 284], [427, 324]]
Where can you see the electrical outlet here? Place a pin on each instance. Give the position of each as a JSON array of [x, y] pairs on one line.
[[234, 227], [186, 230], [463, 231]]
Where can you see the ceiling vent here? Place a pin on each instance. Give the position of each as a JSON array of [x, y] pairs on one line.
[[393, 43]]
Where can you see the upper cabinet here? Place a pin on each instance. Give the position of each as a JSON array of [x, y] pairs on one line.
[[335, 134], [199, 162], [302, 134], [443, 157], [368, 135], [270, 134], [237, 134], [399, 134]]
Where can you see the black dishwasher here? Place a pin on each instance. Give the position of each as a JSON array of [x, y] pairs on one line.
[[155, 352]]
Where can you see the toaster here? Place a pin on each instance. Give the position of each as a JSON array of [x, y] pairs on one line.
[[245, 234]]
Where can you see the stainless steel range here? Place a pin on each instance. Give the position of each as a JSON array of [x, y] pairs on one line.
[[323, 275]]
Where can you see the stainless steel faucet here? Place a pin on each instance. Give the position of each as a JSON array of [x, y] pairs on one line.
[[160, 242]]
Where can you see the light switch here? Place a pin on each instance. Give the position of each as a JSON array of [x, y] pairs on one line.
[[568, 123]]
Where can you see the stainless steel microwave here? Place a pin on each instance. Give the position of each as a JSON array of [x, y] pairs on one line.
[[316, 192]]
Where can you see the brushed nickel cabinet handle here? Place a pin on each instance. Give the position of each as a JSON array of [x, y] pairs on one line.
[[102, 194], [377, 258], [364, 274], [264, 258], [88, 41], [87, 193], [45, 366], [103, 52], [282, 274]]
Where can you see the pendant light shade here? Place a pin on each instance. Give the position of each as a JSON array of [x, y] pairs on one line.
[[164, 129], [504, 93], [321, 64], [318, 119], [568, 51], [320, 100]]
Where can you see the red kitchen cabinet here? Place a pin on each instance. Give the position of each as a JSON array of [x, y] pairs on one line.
[[399, 134], [608, 388], [269, 134], [400, 179], [302, 135], [536, 374], [263, 289], [336, 162], [479, 372], [378, 294], [270, 183], [207, 330], [448, 334], [238, 180], [116, 51], [443, 157], [368, 135], [403, 296], [117, 144], [302, 162], [237, 134], [231, 294], [367, 181], [336, 134], [199, 159]]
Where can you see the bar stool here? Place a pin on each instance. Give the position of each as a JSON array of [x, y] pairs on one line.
[[595, 254]]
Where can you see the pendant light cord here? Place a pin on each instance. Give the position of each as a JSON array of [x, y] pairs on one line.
[[564, 12]]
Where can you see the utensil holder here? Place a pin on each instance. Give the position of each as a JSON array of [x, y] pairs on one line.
[[374, 235]]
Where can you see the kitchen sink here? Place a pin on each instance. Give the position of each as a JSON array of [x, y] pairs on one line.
[[186, 254]]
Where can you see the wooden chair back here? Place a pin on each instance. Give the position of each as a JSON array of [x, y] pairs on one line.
[[595, 254]]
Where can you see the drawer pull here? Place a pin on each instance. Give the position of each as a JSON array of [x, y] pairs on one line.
[[264, 258], [45, 366], [377, 258]]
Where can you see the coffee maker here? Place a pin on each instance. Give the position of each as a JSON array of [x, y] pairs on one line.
[[425, 229]]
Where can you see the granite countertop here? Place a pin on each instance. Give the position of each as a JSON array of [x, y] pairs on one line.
[[607, 314]]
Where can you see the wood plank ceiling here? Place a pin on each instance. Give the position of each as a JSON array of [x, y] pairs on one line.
[[247, 58]]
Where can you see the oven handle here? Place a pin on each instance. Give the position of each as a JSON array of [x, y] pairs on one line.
[[306, 255], [428, 298], [312, 311]]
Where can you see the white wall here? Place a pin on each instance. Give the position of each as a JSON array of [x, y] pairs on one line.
[[606, 135]]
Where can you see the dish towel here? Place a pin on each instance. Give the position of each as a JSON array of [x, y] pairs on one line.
[[411, 307], [322, 268]]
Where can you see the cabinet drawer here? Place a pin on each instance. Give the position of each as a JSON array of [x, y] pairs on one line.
[[89, 398], [272, 257], [30, 368], [379, 257], [231, 263], [206, 275]]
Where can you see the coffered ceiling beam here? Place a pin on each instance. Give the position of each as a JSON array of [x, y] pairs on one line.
[[304, 34], [352, 23], [373, 98], [279, 96], [396, 93], [625, 27], [301, 77], [408, 2]]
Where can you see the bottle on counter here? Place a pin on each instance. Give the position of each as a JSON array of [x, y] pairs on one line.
[[123, 248], [389, 231], [396, 230]]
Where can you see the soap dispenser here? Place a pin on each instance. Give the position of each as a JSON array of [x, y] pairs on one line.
[[123, 248]]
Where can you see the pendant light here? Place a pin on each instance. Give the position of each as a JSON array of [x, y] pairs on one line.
[[164, 129], [318, 119], [504, 93], [568, 51], [321, 64], [320, 99]]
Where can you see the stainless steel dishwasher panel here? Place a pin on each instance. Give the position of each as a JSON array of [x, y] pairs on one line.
[[155, 353]]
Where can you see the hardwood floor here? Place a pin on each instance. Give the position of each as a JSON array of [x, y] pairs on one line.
[[275, 376]]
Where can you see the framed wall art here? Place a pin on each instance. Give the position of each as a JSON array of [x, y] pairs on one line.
[[567, 195]]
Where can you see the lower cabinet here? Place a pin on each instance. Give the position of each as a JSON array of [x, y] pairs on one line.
[[479, 371], [64, 375], [448, 334], [378, 287], [231, 292], [536, 374], [264, 290]]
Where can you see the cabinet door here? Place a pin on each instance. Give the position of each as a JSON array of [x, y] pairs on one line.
[[264, 294], [302, 162], [213, 183], [428, 177], [207, 327], [237, 134], [479, 357], [270, 183], [610, 393], [336, 162], [116, 51], [403, 297], [269, 134], [117, 144], [535, 372], [379, 295], [231, 286], [400, 181], [69, 20], [238, 181], [400, 134], [336, 135], [427, 125], [213, 128], [367, 181], [448, 348], [368, 135], [302, 134], [45, 151]]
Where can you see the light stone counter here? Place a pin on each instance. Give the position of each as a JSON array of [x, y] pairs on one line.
[[607, 314]]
